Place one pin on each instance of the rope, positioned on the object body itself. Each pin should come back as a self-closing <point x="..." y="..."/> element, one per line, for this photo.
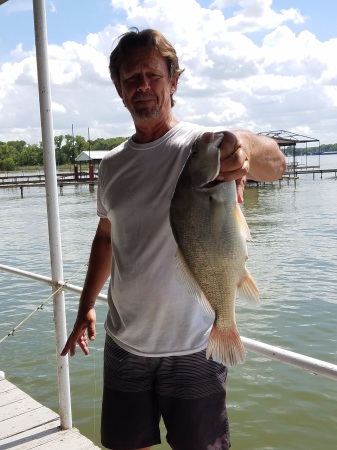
<point x="11" y="333"/>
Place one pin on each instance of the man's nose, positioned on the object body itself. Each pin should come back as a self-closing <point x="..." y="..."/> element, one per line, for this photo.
<point x="143" y="83"/>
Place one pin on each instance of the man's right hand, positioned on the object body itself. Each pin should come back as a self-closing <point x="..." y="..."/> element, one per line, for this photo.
<point x="84" y="329"/>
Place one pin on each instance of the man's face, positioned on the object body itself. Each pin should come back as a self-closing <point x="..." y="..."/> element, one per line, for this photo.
<point x="145" y="86"/>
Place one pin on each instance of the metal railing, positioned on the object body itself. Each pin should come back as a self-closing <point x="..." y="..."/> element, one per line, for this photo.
<point x="313" y="365"/>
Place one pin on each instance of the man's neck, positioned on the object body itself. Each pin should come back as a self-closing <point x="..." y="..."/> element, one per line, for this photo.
<point x="149" y="132"/>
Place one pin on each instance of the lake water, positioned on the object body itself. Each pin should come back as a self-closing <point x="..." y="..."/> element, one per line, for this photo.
<point x="293" y="258"/>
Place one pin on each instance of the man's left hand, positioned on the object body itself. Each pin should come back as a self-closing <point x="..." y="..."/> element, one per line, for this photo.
<point x="234" y="162"/>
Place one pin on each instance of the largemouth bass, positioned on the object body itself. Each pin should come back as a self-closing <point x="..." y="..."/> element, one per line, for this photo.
<point x="211" y="233"/>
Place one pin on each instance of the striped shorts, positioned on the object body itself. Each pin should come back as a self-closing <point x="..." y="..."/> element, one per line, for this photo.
<point x="188" y="392"/>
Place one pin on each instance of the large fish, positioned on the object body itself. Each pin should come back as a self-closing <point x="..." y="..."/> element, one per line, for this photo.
<point x="211" y="233"/>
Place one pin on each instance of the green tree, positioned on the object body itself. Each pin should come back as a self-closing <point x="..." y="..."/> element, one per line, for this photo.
<point x="30" y="155"/>
<point x="18" y="145"/>
<point x="106" y="144"/>
<point x="8" y="157"/>
<point x="7" y="164"/>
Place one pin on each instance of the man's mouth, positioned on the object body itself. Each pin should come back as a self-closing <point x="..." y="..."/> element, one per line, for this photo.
<point x="140" y="99"/>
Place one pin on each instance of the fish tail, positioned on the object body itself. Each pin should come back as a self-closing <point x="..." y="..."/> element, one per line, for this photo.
<point x="226" y="347"/>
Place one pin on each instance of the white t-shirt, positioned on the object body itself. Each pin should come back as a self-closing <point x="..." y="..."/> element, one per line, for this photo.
<point x="150" y="311"/>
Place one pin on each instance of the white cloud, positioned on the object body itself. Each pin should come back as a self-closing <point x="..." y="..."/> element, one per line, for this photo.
<point x="331" y="93"/>
<point x="52" y="7"/>
<point x="57" y="108"/>
<point x="282" y="80"/>
<point x="258" y="15"/>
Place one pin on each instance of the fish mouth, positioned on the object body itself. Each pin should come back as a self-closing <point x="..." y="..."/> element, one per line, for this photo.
<point x="210" y="184"/>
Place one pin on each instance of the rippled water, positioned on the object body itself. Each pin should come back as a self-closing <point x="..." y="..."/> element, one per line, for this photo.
<point x="293" y="258"/>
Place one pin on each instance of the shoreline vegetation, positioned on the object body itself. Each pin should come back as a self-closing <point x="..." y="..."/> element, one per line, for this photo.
<point x="18" y="155"/>
<point x="15" y="155"/>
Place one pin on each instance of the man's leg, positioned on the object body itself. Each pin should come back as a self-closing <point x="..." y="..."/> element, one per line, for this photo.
<point x="192" y="399"/>
<point x="130" y="415"/>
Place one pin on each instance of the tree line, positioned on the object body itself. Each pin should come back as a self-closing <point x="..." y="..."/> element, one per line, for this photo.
<point x="17" y="154"/>
<point x="289" y="151"/>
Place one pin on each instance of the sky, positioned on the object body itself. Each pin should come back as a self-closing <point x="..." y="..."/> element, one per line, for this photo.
<point x="259" y="65"/>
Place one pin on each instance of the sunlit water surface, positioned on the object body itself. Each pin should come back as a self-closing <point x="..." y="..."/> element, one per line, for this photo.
<point x="293" y="258"/>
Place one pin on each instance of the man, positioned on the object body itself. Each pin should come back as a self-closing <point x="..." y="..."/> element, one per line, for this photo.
<point x="157" y="333"/>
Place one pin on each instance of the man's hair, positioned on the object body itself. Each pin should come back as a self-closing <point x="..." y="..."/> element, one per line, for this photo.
<point x="149" y="38"/>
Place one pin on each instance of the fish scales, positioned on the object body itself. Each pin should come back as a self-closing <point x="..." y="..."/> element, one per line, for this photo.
<point x="211" y="234"/>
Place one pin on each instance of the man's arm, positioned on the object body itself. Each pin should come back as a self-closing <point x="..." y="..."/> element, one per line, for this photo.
<point x="266" y="161"/>
<point x="99" y="269"/>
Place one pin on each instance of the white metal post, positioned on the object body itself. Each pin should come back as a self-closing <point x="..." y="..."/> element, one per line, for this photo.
<point x="41" y="42"/>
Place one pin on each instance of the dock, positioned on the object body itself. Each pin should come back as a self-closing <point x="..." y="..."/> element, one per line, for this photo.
<point x="311" y="170"/>
<point x="39" y="180"/>
<point x="26" y="424"/>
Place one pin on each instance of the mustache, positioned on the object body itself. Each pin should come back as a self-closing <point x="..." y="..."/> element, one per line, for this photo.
<point x="142" y="97"/>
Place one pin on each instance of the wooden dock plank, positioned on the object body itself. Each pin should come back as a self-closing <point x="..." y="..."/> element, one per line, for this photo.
<point x="48" y="437"/>
<point x="18" y="416"/>
<point x="10" y="396"/>
<point x="26" y="424"/>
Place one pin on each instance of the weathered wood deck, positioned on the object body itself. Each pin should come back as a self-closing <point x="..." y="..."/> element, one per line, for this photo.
<point x="26" y="424"/>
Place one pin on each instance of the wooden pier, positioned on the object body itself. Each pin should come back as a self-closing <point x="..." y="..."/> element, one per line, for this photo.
<point x="26" y="424"/>
<point x="68" y="179"/>
<point x="38" y="180"/>
<point x="302" y="170"/>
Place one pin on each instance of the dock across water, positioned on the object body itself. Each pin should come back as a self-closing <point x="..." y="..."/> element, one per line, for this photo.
<point x="67" y="178"/>
<point x="39" y="180"/>
<point x="26" y="424"/>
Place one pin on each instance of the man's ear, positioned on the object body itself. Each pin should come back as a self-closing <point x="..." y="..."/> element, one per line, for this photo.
<point x="174" y="84"/>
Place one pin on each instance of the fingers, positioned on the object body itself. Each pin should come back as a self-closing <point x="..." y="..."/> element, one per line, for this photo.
<point x="83" y="343"/>
<point x="81" y="339"/>
<point x="70" y="346"/>
<point x="234" y="161"/>
<point x="65" y="350"/>
<point x="240" y="186"/>
<point x="92" y="332"/>
<point x="234" y="167"/>
<point x="84" y="328"/>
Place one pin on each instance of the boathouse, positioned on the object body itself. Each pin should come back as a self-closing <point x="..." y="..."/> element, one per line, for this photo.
<point x="92" y="157"/>
<point x="287" y="139"/>
<point x="95" y="156"/>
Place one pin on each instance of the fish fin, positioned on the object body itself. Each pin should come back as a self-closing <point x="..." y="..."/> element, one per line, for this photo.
<point x="243" y="225"/>
<point x="216" y="215"/>
<point x="226" y="347"/>
<point x="187" y="279"/>
<point x="248" y="290"/>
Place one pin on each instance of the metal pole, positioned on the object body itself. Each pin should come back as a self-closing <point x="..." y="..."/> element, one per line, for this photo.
<point x="312" y="365"/>
<point x="41" y="42"/>
<point x="103" y="298"/>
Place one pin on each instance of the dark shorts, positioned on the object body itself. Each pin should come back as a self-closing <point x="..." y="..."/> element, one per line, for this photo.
<point x="188" y="392"/>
